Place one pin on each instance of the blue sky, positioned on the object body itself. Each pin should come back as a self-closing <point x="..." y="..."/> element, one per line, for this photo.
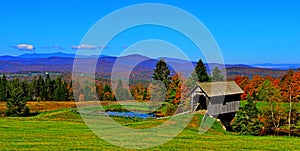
<point x="247" y="31"/>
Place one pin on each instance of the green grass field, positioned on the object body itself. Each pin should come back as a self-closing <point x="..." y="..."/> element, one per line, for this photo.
<point x="64" y="130"/>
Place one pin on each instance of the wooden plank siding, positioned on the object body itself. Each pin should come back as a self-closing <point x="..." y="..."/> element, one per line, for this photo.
<point x="215" y="109"/>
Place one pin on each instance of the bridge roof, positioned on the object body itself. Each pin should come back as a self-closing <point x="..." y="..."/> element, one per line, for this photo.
<point x="212" y="89"/>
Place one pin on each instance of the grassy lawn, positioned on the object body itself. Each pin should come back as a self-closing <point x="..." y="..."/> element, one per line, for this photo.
<point x="43" y="106"/>
<point x="261" y="105"/>
<point x="64" y="130"/>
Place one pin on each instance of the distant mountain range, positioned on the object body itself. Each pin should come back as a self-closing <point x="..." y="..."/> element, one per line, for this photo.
<point x="142" y="66"/>
<point x="277" y="66"/>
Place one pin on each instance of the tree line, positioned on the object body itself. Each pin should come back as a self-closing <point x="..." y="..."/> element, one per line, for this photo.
<point x="280" y="111"/>
<point x="17" y="92"/>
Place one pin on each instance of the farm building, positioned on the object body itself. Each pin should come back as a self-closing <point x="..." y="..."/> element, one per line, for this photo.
<point x="219" y="99"/>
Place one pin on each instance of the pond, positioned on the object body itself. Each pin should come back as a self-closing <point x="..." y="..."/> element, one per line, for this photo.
<point x="131" y="114"/>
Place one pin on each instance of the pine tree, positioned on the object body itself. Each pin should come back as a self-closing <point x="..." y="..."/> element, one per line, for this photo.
<point x="25" y="87"/>
<point x="58" y="92"/>
<point x="121" y="93"/>
<point x="162" y="73"/>
<point x="201" y="72"/>
<point x="16" y="104"/>
<point x="158" y="93"/>
<point x="217" y="75"/>
<point x="246" y="121"/>
<point x="3" y="89"/>
<point x="40" y="87"/>
<point x="49" y="88"/>
<point x="65" y="91"/>
<point x="34" y="90"/>
<point x="192" y="81"/>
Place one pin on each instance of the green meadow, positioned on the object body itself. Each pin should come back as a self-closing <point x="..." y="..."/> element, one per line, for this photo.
<point x="64" y="129"/>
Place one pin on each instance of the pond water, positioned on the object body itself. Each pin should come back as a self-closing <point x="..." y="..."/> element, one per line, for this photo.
<point x="131" y="114"/>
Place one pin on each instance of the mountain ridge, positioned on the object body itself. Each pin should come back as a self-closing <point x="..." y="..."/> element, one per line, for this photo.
<point x="139" y="65"/>
<point x="32" y="56"/>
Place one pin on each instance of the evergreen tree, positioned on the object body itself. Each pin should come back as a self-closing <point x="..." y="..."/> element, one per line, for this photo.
<point x="217" y="75"/>
<point x="162" y="73"/>
<point x="34" y="88"/>
<point x="158" y="94"/>
<point x="70" y="91"/>
<point x="246" y="121"/>
<point x="198" y="75"/>
<point x="49" y="88"/>
<point x="25" y="87"/>
<point x="65" y="91"/>
<point x="40" y="87"/>
<point x="16" y="104"/>
<point x="121" y="93"/>
<point x="58" y="92"/>
<point x="191" y="81"/>
<point x="201" y="72"/>
<point x="3" y="88"/>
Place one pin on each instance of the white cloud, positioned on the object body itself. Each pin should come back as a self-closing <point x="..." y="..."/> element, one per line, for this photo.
<point x="53" y="47"/>
<point x="84" y="46"/>
<point x="58" y="47"/>
<point x="27" y="47"/>
<point x="104" y="47"/>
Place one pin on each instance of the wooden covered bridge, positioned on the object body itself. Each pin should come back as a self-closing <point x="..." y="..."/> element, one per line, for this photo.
<point x="219" y="99"/>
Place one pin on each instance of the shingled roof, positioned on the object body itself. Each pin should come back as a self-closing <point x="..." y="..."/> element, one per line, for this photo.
<point x="223" y="88"/>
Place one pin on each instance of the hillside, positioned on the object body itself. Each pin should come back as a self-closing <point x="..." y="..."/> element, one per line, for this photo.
<point x="60" y="62"/>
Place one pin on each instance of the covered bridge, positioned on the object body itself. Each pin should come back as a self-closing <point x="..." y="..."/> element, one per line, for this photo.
<point x="216" y="97"/>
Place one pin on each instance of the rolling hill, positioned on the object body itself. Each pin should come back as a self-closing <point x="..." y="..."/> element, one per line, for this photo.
<point x="139" y="66"/>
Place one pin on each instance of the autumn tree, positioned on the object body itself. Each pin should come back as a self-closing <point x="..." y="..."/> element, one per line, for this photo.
<point x="254" y="85"/>
<point x="274" y="113"/>
<point x="140" y="92"/>
<point x="100" y="90"/>
<point x="177" y="93"/>
<point x="173" y="93"/>
<point x="108" y="94"/>
<point x="291" y="92"/>
<point x="242" y="81"/>
<point x="178" y="90"/>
